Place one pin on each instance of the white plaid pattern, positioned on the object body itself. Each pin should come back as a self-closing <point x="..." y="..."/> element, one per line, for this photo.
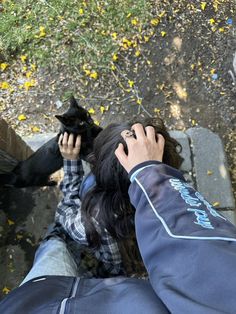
<point x="68" y="214"/>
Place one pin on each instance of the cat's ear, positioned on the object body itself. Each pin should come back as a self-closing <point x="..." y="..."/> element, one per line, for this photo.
<point x="73" y="102"/>
<point x="63" y="119"/>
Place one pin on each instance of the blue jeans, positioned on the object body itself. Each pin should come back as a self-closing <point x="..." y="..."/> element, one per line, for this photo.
<point x="52" y="258"/>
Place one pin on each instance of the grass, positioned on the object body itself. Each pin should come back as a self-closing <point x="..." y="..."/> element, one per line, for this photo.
<point x="83" y="34"/>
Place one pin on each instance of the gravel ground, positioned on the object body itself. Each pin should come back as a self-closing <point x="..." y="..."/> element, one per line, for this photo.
<point x="184" y="73"/>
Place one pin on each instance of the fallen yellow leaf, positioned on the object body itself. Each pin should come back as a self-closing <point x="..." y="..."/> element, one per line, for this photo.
<point x="154" y="22"/>
<point x="22" y="117"/>
<point x="10" y="222"/>
<point x="4" y="85"/>
<point x="114" y="35"/>
<point x="134" y="21"/>
<point x="102" y="109"/>
<point x="6" y="290"/>
<point x="23" y="58"/>
<point x="93" y="75"/>
<point x="115" y="57"/>
<point x="131" y="83"/>
<point x="203" y="5"/>
<point x="3" y="66"/>
<point x="91" y="111"/>
<point x="212" y="21"/>
<point x="35" y="129"/>
<point x="113" y="67"/>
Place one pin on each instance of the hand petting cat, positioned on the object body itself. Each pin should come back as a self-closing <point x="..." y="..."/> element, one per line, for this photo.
<point x="69" y="148"/>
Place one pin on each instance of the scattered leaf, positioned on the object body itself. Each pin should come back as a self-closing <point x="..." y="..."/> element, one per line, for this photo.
<point x="6" y="290"/>
<point x="23" y="58"/>
<point x="114" y="35"/>
<point x="139" y="101"/>
<point x="93" y="75"/>
<point x="203" y="5"/>
<point x="131" y="83"/>
<point x="10" y="222"/>
<point x="115" y="57"/>
<point x="22" y="117"/>
<point x="212" y="21"/>
<point x="35" y="129"/>
<point x="3" y="66"/>
<point x="4" y="85"/>
<point x="134" y="22"/>
<point x="154" y="22"/>
<point x="91" y="111"/>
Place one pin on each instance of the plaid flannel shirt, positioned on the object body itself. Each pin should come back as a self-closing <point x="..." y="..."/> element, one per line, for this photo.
<point x="68" y="214"/>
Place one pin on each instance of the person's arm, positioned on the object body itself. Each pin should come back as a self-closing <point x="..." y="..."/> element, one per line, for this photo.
<point x="189" y="249"/>
<point x="68" y="212"/>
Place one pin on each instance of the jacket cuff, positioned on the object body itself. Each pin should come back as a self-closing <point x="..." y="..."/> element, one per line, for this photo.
<point x="141" y="166"/>
<point x="163" y="168"/>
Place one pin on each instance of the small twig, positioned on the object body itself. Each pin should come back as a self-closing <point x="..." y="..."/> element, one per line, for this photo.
<point x="232" y="75"/>
<point x="49" y="5"/>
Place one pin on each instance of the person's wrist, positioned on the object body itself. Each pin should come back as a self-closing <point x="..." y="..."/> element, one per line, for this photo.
<point x="141" y="166"/>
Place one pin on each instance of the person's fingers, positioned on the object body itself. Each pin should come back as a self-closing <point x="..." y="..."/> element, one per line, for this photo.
<point x="71" y="140"/>
<point x="60" y="139"/>
<point x="151" y="134"/>
<point x="139" y="131"/>
<point x="128" y="136"/>
<point x="78" y="141"/>
<point x="160" y="141"/>
<point x="120" y="154"/>
<point x="65" y="139"/>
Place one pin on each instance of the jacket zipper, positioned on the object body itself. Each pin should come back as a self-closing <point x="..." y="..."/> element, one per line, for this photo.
<point x="63" y="302"/>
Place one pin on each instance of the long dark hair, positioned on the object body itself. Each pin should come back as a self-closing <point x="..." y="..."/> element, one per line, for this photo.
<point x="108" y="202"/>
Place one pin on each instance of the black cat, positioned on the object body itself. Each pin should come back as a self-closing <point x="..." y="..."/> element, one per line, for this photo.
<point x="35" y="170"/>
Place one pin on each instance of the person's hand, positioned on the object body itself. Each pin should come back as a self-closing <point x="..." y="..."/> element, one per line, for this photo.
<point x="145" y="147"/>
<point x="67" y="148"/>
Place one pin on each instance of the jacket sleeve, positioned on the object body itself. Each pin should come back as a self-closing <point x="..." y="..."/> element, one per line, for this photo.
<point x="68" y="212"/>
<point x="188" y="248"/>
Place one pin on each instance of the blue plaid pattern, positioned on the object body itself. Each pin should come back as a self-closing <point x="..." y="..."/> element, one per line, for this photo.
<point x="68" y="214"/>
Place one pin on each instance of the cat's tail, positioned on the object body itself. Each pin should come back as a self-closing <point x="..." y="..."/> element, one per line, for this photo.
<point x="7" y="179"/>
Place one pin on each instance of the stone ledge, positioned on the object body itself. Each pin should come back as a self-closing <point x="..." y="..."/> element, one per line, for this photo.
<point x="210" y="168"/>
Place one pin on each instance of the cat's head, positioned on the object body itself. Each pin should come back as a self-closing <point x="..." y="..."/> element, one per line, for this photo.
<point x="76" y="119"/>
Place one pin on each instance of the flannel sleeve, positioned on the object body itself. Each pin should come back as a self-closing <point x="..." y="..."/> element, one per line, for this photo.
<point x="68" y="212"/>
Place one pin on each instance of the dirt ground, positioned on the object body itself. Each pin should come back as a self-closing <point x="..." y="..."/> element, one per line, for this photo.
<point x="184" y="73"/>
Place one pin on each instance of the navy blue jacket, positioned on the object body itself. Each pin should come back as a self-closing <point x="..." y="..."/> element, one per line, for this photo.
<point x="188" y="248"/>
